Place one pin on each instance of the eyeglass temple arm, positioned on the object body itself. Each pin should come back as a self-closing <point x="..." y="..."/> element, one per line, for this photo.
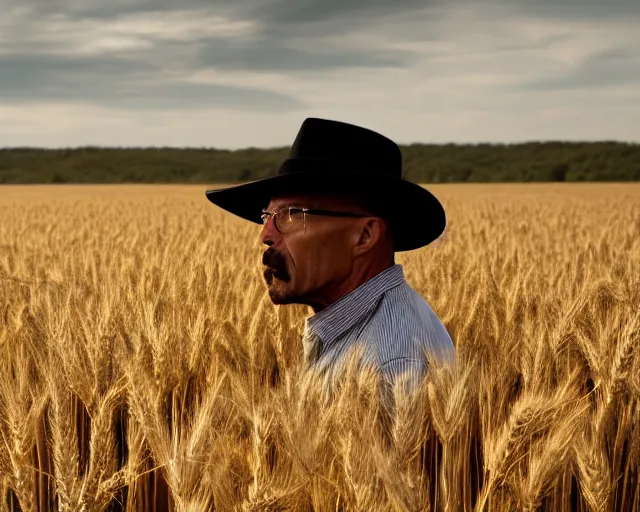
<point x="332" y="213"/>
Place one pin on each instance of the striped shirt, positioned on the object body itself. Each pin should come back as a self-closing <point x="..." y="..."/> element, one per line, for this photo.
<point x="385" y="318"/>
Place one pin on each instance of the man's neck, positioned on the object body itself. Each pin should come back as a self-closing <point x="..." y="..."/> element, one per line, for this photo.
<point x="360" y="276"/>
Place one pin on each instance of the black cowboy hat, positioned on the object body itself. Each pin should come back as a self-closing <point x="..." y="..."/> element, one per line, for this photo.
<point x="331" y="156"/>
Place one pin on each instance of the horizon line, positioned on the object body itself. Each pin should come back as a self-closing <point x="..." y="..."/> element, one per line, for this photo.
<point x="281" y="147"/>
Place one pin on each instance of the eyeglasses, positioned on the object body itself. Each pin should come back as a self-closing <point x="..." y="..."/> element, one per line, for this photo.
<point x="287" y="220"/>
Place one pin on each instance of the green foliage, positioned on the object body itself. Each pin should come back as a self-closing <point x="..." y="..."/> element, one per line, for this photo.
<point x="535" y="161"/>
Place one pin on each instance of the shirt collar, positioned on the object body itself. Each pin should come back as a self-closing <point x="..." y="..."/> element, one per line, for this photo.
<point x="330" y="323"/>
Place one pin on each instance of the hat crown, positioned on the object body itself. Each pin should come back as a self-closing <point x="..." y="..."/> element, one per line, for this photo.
<point x="344" y="146"/>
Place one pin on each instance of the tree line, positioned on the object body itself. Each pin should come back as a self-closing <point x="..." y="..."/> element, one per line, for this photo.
<point x="423" y="163"/>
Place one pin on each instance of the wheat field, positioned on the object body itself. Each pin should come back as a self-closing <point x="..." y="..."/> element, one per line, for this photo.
<point x="142" y="366"/>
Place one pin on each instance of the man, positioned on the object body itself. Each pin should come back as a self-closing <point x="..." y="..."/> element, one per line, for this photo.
<point x="333" y="217"/>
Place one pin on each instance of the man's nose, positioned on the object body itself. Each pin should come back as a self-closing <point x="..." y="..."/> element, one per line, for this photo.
<point x="269" y="233"/>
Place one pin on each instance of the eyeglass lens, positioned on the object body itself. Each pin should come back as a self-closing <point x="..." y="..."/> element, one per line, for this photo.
<point x="288" y="219"/>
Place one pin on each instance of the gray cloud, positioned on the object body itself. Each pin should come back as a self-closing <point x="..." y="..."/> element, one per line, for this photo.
<point x="615" y="67"/>
<point x="102" y="10"/>
<point x="269" y="54"/>
<point x="281" y="41"/>
<point x="284" y="12"/>
<point x="273" y="13"/>
<point x="577" y="10"/>
<point x="456" y="58"/>
<point x="121" y="83"/>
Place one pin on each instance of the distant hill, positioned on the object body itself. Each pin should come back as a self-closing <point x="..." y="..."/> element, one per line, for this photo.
<point x="424" y="163"/>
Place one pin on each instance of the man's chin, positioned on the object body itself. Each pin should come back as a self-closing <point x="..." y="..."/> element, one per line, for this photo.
<point x="278" y="292"/>
<point x="279" y="299"/>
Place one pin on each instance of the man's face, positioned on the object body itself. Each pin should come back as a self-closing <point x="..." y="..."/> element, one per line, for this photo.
<point x="310" y="261"/>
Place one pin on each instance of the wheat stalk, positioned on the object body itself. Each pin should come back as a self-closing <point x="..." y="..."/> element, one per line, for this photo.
<point x="146" y="302"/>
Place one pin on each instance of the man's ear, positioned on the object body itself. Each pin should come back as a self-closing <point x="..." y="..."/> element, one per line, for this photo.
<point x="368" y="235"/>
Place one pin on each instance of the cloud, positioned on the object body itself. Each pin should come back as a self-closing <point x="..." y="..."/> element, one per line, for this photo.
<point x="579" y="10"/>
<point x="275" y="11"/>
<point x="136" y="61"/>
<point x="614" y="67"/>
<point x="63" y="33"/>
<point x="430" y="70"/>
<point x="90" y="80"/>
<point x="272" y="55"/>
<point x="121" y="53"/>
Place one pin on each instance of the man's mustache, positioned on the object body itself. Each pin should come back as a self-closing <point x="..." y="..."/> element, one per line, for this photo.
<point x="276" y="264"/>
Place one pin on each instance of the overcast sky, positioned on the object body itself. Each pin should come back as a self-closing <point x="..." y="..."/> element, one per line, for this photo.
<point x="237" y="73"/>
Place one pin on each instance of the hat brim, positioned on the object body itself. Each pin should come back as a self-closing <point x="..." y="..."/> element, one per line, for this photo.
<point x="417" y="217"/>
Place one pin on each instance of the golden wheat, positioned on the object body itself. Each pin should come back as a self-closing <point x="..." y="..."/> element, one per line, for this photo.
<point x="144" y="368"/>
